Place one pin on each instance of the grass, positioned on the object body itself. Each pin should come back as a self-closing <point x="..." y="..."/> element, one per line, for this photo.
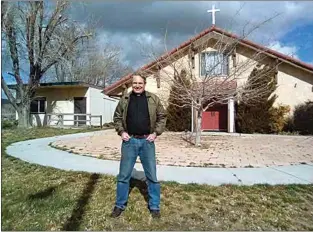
<point x="41" y="198"/>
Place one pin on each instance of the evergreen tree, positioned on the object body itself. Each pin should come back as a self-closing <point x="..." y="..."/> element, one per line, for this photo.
<point x="255" y="115"/>
<point x="178" y="117"/>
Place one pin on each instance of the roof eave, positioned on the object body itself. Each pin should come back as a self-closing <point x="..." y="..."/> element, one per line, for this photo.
<point x="243" y="42"/>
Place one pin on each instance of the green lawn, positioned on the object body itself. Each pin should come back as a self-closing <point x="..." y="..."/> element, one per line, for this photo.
<point x="39" y="198"/>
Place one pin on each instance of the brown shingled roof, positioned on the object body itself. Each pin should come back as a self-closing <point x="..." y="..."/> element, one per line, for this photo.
<point x="125" y="79"/>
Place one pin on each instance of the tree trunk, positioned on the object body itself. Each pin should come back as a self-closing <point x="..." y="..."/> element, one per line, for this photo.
<point x="198" y="131"/>
<point x="23" y="116"/>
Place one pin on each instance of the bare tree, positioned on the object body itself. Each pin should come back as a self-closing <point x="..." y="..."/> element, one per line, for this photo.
<point x="43" y="39"/>
<point x="222" y="76"/>
<point x="93" y="63"/>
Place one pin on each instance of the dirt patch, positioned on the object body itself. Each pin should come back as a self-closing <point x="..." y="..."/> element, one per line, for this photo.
<point x="216" y="151"/>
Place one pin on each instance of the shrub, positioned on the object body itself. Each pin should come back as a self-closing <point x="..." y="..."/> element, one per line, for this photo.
<point x="289" y="126"/>
<point x="9" y="124"/>
<point x="303" y="118"/>
<point x="278" y="118"/>
<point x="252" y="119"/>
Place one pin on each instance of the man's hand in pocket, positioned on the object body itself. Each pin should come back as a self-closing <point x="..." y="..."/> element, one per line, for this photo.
<point x="125" y="136"/>
<point x="151" y="137"/>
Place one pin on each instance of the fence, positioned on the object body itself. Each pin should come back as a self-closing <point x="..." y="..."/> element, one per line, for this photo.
<point x="77" y="118"/>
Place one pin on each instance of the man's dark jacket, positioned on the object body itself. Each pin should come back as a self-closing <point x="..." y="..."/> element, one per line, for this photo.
<point x="156" y="112"/>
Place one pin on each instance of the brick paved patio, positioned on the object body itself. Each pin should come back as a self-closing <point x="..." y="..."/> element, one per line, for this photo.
<point x="217" y="150"/>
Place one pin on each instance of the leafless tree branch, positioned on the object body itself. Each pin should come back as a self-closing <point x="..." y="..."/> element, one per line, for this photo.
<point x="221" y="80"/>
<point x="41" y="45"/>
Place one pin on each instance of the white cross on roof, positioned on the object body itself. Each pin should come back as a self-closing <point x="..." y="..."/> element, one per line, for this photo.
<point x="213" y="11"/>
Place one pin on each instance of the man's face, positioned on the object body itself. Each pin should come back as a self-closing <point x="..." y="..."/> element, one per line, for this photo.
<point x="138" y="84"/>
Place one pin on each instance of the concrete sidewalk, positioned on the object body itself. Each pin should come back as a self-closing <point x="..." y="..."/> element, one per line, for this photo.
<point x="39" y="152"/>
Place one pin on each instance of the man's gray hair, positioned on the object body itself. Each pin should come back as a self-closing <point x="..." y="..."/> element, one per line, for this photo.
<point x="144" y="78"/>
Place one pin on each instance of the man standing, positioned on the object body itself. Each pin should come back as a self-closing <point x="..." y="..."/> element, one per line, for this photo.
<point x="139" y="118"/>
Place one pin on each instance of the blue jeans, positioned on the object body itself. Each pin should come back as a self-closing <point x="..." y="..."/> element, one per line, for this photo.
<point x="146" y="151"/>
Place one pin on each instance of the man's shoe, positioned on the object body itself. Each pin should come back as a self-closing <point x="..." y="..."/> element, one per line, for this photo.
<point x="116" y="212"/>
<point x="155" y="213"/>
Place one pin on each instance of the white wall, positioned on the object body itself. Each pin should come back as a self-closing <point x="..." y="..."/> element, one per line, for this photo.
<point x="59" y="100"/>
<point x="101" y="104"/>
<point x="293" y="90"/>
<point x="39" y="119"/>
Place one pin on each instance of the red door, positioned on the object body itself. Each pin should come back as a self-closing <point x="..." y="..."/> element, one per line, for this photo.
<point x="215" y="118"/>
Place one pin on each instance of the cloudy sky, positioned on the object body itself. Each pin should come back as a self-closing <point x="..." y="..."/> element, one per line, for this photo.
<point x="140" y="27"/>
<point x="137" y="26"/>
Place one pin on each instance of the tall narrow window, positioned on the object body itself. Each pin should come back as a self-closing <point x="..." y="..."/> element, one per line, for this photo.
<point x="193" y="62"/>
<point x="214" y="64"/>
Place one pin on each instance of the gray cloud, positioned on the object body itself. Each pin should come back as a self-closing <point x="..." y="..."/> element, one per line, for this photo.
<point x="137" y="25"/>
<point x="125" y="23"/>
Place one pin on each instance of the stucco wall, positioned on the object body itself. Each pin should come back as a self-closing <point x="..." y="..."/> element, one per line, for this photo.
<point x="59" y="100"/>
<point x="294" y="89"/>
<point x="294" y="84"/>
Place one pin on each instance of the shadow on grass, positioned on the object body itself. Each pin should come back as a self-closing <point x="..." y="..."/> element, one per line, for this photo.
<point x="138" y="181"/>
<point x="74" y="221"/>
<point x="48" y="192"/>
<point x="43" y="194"/>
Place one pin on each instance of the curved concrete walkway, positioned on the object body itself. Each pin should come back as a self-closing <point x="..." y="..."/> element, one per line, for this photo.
<point x="39" y="152"/>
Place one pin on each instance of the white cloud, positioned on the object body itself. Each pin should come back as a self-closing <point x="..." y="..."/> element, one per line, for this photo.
<point x="287" y="50"/>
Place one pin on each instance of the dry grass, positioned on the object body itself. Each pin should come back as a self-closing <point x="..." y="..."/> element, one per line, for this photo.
<point x="40" y="198"/>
